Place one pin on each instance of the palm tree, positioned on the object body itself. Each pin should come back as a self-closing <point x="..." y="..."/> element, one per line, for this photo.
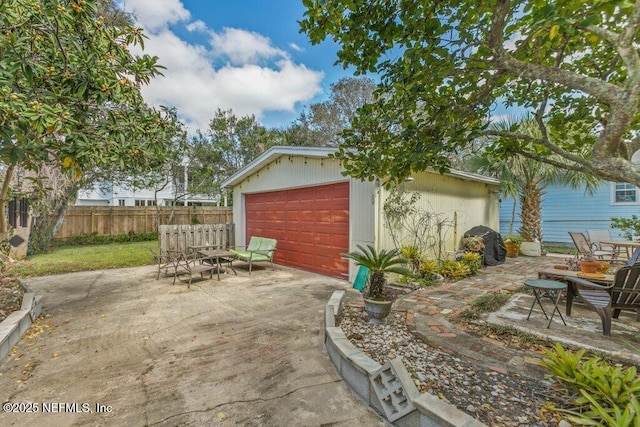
<point x="379" y="264"/>
<point x="527" y="179"/>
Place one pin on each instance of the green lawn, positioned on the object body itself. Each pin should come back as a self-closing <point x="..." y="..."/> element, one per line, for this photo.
<point x="82" y="258"/>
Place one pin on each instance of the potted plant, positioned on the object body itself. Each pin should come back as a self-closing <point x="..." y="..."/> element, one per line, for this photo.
<point x="512" y="242"/>
<point x="377" y="301"/>
<point x="473" y="243"/>
<point x="589" y="265"/>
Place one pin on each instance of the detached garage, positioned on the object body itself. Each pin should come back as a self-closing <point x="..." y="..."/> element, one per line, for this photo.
<point x="298" y="196"/>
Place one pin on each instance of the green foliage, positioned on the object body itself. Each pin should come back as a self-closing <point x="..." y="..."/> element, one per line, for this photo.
<point x="323" y="123"/>
<point x="606" y="394"/>
<point x="473" y="260"/>
<point x="428" y="266"/>
<point x="410" y="225"/>
<point x="95" y="239"/>
<point x="473" y="243"/>
<point x="68" y="259"/>
<point x="412" y="254"/>
<point x="514" y="238"/>
<point x="229" y="144"/>
<point x="629" y="226"/>
<point x="379" y="263"/>
<point x="70" y="97"/>
<point x="572" y="68"/>
<point x="454" y="269"/>
<point x="486" y="303"/>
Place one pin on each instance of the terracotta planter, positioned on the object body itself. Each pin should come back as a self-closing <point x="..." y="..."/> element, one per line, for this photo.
<point x="513" y="249"/>
<point x="377" y="310"/>
<point x="589" y="266"/>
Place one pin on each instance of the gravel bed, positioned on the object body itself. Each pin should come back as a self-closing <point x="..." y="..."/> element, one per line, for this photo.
<point x="492" y="397"/>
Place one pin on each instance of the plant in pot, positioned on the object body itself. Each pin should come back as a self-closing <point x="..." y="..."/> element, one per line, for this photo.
<point x="512" y="242"/>
<point x="377" y="299"/>
<point x="473" y="243"/>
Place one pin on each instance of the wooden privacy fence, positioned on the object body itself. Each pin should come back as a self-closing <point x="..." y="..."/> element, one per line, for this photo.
<point x="111" y="220"/>
<point x="181" y="237"/>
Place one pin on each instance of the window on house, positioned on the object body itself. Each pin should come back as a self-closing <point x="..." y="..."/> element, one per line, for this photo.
<point x="18" y="212"/>
<point x="139" y="202"/>
<point x="121" y="202"/>
<point x="151" y="202"/>
<point x="625" y="193"/>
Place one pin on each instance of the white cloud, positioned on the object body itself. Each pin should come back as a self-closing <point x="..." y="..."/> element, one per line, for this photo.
<point x="296" y="47"/>
<point x="242" y="46"/>
<point x="156" y="14"/>
<point x="240" y="70"/>
<point x="197" y="26"/>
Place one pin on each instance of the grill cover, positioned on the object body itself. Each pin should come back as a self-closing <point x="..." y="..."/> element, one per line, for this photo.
<point x="494" y="250"/>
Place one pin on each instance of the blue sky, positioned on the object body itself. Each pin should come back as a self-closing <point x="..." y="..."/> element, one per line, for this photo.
<point x="247" y="55"/>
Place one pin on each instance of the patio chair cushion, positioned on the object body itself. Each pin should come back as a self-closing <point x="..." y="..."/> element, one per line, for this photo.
<point x="259" y="249"/>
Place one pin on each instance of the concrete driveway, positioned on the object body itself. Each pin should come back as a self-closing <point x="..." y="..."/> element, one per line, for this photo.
<point x="246" y="350"/>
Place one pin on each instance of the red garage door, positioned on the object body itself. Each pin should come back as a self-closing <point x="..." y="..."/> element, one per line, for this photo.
<point x="311" y="225"/>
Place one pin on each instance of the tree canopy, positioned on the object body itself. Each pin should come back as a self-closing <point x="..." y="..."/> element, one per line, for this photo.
<point x="323" y="123"/>
<point x="449" y="67"/>
<point x="70" y="91"/>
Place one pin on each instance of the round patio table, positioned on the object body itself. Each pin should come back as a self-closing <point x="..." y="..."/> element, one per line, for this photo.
<point x="549" y="288"/>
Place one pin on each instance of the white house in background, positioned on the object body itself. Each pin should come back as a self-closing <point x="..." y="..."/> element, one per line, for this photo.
<point x="300" y="197"/>
<point x="114" y="195"/>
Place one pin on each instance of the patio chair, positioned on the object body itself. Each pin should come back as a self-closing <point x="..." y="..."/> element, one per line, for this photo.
<point x="259" y="249"/>
<point x="164" y="261"/>
<point x="601" y="235"/>
<point x="623" y="294"/>
<point x="190" y="264"/>
<point x="585" y="248"/>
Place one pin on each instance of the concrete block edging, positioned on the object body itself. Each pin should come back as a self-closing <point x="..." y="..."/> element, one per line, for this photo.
<point x="16" y="324"/>
<point x="387" y="389"/>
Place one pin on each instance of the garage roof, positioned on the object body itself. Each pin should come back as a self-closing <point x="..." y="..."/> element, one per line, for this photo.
<point x="276" y="152"/>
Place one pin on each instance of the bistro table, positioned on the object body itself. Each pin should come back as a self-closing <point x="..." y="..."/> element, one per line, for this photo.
<point x="217" y="257"/>
<point x="618" y="245"/>
<point x="561" y="275"/>
<point x="550" y="288"/>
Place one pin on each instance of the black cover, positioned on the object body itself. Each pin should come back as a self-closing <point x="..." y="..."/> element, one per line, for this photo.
<point x="494" y="252"/>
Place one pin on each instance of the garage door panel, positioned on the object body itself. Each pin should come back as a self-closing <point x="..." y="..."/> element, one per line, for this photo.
<point x="311" y="225"/>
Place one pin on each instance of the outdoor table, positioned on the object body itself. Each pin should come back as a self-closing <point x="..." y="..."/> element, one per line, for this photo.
<point x="629" y="247"/>
<point x="542" y="287"/>
<point x="217" y="257"/>
<point x="561" y="275"/>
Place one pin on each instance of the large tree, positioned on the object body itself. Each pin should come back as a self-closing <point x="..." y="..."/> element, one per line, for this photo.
<point x="322" y="123"/>
<point x="447" y="66"/>
<point x="70" y="92"/>
<point x="229" y="144"/>
<point x="525" y="179"/>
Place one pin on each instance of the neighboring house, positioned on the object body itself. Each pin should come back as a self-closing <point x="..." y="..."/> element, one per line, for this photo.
<point x="565" y="209"/>
<point x="299" y="196"/>
<point x="114" y="195"/>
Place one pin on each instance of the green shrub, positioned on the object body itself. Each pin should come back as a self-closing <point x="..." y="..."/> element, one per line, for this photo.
<point x="95" y="239"/>
<point x="629" y="226"/>
<point x="454" y="269"/>
<point x="473" y="260"/>
<point x="606" y="394"/>
<point x="428" y="267"/>
<point x="412" y="254"/>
